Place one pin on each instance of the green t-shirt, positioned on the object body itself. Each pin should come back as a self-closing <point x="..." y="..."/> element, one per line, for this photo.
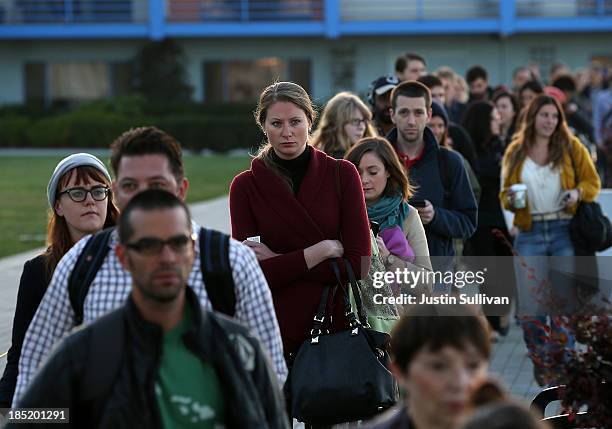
<point x="187" y="389"/>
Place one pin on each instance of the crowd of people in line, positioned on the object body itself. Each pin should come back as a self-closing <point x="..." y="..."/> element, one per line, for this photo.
<point x="184" y="326"/>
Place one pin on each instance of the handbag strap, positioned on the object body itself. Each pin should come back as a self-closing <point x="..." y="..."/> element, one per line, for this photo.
<point x="348" y="311"/>
<point x="319" y="318"/>
<point x="339" y="195"/>
<point x="356" y="293"/>
<point x="346" y="301"/>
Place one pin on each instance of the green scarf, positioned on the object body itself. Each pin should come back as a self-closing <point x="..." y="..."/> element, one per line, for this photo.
<point x="388" y="212"/>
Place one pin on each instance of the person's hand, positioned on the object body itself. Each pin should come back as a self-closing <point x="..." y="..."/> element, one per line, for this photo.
<point x="262" y="252"/>
<point x="426" y="213"/>
<point x="332" y="248"/>
<point x="510" y="197"/>
<point x="384" y="252"/>
<point x="321" y="251"/>
<point x="571" y="197"/>
<point x="513" y="231"/>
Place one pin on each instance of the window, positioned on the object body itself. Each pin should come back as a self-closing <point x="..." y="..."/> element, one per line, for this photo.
<point x="74" y="82"/>
<point x="78" y="81"/>
<point x="243" y="80"/>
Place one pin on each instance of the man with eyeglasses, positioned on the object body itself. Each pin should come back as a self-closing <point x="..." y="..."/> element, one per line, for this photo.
<point x="161" y="360"/>
<point x="145" y="158"/>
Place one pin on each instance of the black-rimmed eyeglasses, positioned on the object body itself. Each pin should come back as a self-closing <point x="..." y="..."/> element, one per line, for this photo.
<point x="78" y="195"/>
<point x="150" y="246"/>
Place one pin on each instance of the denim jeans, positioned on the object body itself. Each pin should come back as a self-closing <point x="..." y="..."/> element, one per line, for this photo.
<point x="546" y="288"/>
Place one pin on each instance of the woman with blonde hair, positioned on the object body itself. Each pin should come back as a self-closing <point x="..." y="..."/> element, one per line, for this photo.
<point x="557" y="172"/>
<point x="345" y="120"/>
<point x="299" y="210"/>
<point x="80" y="203"/>
<point x="291" y="201"/>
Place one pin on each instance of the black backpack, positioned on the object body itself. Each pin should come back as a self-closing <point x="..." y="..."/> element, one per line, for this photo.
<point x="214" y="261"/>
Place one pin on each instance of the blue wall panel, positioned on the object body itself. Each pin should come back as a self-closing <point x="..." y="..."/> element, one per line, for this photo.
<point x="70" y="19"/>
<point x="73" y="31"/>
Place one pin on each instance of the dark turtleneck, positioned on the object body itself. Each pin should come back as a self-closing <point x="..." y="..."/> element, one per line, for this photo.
<point x="295" y="169"/>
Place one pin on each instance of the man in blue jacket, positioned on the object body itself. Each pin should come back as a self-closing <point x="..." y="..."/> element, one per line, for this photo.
<point x="444" y="198"/>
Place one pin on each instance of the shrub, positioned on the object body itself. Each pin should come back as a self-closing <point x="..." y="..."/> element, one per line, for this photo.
<point x="49" y="132"/>
<point x="129" y="105"/>
<point x="226" y="133"/>
<point x="217" y="133"/>
<point x="584" y="370"/>
<point x="189" y="130"/>
<point x="96" y="124"/>
<point x="13" y="131"/>
<point x="587" y="370"/>
<point x="78" y="129"/>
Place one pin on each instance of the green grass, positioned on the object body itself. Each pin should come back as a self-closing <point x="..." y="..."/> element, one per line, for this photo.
<point x="23" y="198"/>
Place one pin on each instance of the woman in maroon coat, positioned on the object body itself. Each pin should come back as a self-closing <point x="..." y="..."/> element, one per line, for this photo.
<point x="304" y="208"/>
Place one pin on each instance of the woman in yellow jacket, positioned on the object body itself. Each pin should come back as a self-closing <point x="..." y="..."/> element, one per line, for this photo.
<point x="556" y="172"/>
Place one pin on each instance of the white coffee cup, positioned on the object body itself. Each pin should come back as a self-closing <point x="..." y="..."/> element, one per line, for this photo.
<point x="519" y="195"/>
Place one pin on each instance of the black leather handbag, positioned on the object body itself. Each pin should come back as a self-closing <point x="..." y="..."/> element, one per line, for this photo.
<point x="590" y="229"/>
<point x="341" y="376"/>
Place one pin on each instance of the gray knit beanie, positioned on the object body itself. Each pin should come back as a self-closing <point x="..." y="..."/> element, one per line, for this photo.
<point x="67" y="164"/>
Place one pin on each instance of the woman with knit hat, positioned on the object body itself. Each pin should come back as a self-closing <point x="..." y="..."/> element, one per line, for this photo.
<point x="80" y="203"/>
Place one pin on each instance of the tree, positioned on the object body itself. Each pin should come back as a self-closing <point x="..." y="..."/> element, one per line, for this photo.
<point x="160" y="73"/>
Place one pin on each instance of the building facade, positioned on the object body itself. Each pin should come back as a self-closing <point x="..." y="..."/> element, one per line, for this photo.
<point x="81" y="49"/>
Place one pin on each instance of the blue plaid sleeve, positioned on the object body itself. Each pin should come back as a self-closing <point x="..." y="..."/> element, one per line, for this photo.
<point x="254" y="305"/>
<point x="52" y="321"/>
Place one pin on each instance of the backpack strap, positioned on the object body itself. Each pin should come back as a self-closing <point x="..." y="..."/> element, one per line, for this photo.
<point x="216" y="270"/>
<point x="444" y="177"/>
<point x="85" y="269"/>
